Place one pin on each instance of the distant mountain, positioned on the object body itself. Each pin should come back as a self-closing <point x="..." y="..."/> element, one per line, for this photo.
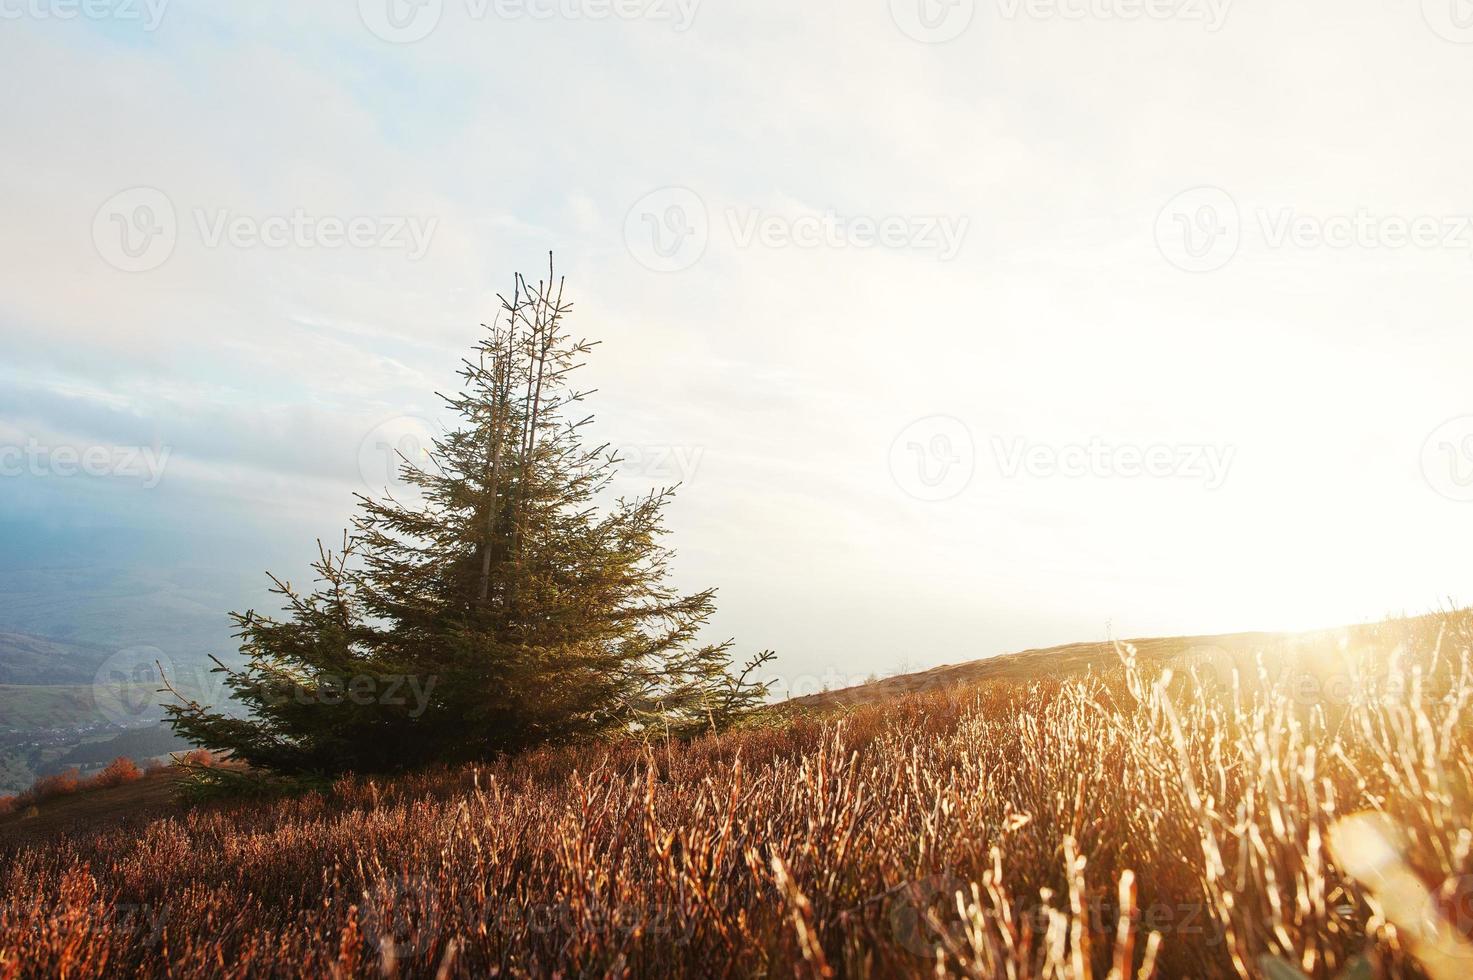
<point x="137" y="744"/>
<point x="83" y="604"/>
<point x="1213" y="656"/>
<point x="180" y="611"/>
<point x="116" y="589"/>
<point x="31" y="660"/>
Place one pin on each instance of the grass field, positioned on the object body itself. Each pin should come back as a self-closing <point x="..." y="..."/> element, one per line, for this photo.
<point x="38" y="706"/>
<point x="1306" y="812"/>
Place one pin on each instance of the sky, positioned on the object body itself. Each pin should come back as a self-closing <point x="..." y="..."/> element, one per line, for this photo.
<point x="966" y="326"/>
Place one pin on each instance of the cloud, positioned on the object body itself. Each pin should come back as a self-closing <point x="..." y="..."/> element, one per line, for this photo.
<point x="791" y="368"/>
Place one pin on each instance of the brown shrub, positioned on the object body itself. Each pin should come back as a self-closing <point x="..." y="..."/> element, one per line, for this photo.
<point x="197" y="757"/>
<point x="121" y="770"/>
<point x="50" y="787"/>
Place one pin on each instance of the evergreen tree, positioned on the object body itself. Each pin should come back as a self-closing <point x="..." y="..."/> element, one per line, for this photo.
<point x="504" y="606"/>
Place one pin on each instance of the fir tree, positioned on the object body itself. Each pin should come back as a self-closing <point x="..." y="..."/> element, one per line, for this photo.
<point x="504" y="606"/>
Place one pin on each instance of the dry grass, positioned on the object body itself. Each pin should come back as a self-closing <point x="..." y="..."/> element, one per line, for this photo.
<point x="121" y="770"/>
<point x="992" y="831"/>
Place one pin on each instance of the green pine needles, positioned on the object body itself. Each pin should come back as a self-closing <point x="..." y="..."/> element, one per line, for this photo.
<point x="504" y="606"/>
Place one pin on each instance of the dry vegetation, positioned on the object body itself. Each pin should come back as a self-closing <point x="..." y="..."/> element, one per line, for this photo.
<point x="121" y="770"/>
<point x="998" y="830"/>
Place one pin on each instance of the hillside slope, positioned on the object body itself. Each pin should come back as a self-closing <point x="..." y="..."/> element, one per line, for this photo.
<point x="34" y="660"/>
<point x="1181" y="653"/>
<point x="94" y="810"/>
<point x="1116" y="827"/>
<point x="1073" y="659"/>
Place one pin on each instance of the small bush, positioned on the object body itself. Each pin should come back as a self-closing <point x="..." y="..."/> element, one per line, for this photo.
<point x="121" y="770"/>
<point x="50" y="787"/>
<point x="197" y="757"/>
<point x="204" y="779"/>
